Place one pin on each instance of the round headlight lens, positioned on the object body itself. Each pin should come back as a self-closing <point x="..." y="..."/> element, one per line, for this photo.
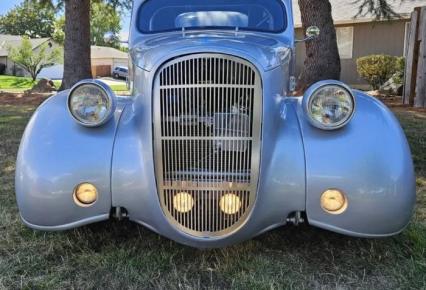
<point x="90" y="104"/>
<point x="330" y="106"/>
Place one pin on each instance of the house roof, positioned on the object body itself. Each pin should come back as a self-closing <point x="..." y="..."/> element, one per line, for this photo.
<point x="107" y="52"/>
<point x="97" y="52"/>
<point x="7" y="41"/>
<point x="344" y="11"/>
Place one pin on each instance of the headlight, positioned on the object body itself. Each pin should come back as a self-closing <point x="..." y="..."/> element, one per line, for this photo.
<point x="91" y="103"/>
<point x="329" y="105"/>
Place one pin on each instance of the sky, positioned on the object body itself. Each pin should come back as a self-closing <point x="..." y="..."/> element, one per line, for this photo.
<point x="6" y="5"/>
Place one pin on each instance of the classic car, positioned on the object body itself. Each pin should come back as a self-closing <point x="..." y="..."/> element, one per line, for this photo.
<point x="212" y="148"/>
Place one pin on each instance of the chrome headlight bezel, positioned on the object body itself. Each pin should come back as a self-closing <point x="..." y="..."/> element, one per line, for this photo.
<point x="110" y="108"/>
<point x="311" y="93"/>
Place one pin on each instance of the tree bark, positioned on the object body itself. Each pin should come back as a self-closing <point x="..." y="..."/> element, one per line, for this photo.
<point x="77" y="64"/>
<point x="322" y="55"/>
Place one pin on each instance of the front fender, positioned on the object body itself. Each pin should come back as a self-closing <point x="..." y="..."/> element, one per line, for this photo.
<point x="370" y="161"/>
<point x="55" y="155"/>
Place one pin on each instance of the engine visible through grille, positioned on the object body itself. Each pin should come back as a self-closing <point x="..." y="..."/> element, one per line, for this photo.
<point x="207" y="123"/>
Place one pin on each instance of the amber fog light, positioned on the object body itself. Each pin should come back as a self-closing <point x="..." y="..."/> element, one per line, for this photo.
<point x="334" y="201"/>
<point x="183" y="202"/>
<point x="230" y="203"/>
<point x="85" y="194"/>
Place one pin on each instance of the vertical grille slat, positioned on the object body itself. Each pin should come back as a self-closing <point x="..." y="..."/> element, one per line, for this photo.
<point x="207" y="120"/>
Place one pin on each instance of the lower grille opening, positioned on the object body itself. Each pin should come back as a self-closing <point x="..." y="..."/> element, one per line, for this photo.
<point x="206" y="215"/>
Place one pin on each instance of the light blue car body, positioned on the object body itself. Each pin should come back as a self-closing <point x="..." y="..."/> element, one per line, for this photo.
<point x="369" y="159"/>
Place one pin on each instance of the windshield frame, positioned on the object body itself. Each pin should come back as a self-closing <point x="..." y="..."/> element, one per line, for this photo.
<point x="220" y="28"/>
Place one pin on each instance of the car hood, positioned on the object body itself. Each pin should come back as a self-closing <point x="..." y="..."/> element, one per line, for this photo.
<point x="264" y="51"/>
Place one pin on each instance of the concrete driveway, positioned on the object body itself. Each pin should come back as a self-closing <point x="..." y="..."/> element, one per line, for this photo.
<point x="112" y="82"/>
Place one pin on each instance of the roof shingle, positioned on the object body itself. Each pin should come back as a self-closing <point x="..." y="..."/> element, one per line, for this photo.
<point x="107" y="52"/>
<point x="13" y="41"/>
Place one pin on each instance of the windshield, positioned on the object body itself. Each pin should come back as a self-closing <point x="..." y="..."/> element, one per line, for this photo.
<point x="168" y="15"/>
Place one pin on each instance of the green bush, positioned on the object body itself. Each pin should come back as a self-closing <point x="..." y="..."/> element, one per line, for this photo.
<point x="400" y="70"/>
<point x="377" y="69"/>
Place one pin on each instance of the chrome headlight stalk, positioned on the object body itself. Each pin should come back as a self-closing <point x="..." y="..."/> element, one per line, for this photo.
<point x="329" y="105"/>
<point x="91" y="103"/>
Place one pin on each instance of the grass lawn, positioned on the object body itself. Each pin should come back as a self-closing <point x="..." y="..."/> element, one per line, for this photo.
<point x="15" y="83"/>
<point x="124" y="255"/>
<point x="119" y="88"/>
<point x="21" y="84"/>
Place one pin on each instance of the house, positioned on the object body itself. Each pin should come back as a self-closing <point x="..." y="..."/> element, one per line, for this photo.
<point x="13" y="41"/>
<point x="103" y="59"/>
<point x="108" y="56"/>
<point x="361" y="36"/>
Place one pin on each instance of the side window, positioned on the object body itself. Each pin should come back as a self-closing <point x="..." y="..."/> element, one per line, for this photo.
<point x="345" y="41"/>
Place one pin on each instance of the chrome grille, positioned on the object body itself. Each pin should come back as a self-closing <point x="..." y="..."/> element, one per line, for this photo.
<point x="207" y="116"/>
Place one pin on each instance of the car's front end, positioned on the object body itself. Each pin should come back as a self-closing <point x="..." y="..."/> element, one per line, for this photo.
<point x="211" y="149"/>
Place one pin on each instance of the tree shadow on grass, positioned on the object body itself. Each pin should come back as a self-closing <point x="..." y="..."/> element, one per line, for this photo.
<point x="22" y="83"/>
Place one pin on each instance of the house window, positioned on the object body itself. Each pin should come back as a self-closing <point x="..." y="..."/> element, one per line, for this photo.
<point x="345" y="41"/>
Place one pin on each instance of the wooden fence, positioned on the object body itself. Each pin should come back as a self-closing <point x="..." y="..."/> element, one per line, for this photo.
<point x="101" y="71"/>
<point x="415" y="69"/>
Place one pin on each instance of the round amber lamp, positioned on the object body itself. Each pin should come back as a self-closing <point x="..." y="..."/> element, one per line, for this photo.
<point x="230" y="204"/>
<point x="85" y="194"/>
<point x="334" y="201"/>
<point x="183" y="202"/>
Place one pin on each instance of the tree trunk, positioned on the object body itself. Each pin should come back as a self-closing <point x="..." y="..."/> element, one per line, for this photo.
<point x="77" y="64"/>
<point x="322" y="55"/>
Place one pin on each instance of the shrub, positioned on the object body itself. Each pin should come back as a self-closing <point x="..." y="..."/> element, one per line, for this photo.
<point x="400" y="70"/>
<point x="2" y="68"/>
<point x="377" y="69"/>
